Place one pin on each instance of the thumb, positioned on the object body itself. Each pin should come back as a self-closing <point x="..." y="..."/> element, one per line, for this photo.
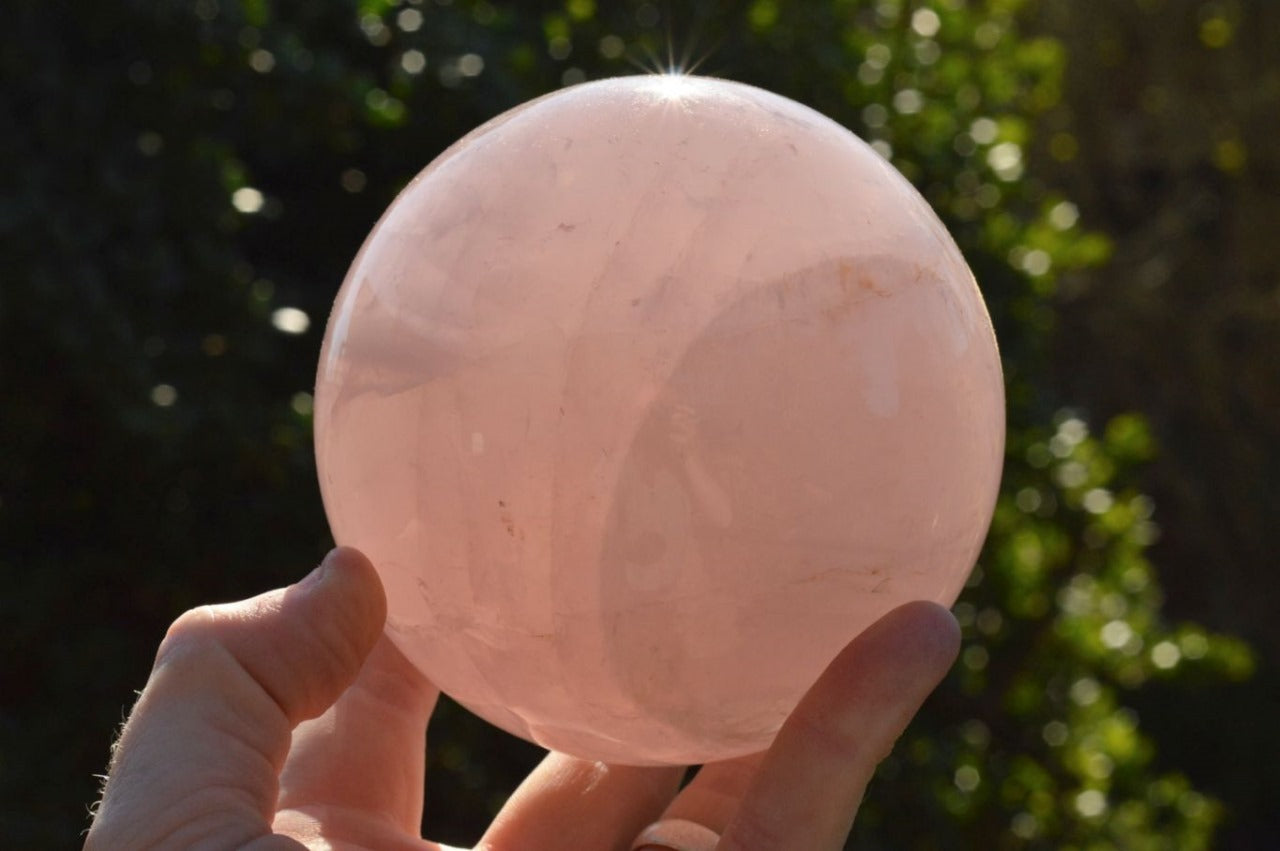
<point x="198" y="762"/>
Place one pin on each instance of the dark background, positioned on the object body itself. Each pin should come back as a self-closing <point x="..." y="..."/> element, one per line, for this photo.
<point x="175" y="173"/>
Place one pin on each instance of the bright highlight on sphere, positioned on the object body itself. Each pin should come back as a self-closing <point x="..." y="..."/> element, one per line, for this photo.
<point x="645" y="398"/>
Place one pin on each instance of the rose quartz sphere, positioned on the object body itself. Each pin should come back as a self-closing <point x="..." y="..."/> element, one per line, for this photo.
<point x="645" y="398"/>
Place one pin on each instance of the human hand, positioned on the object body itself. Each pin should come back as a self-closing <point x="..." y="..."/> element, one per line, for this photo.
<point x="286" y="722"/>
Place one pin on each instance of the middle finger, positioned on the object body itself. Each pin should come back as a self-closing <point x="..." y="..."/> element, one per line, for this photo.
<point x="367" y="753"/>
<point x="712" y="797"/>
<point x="573" y="803"/>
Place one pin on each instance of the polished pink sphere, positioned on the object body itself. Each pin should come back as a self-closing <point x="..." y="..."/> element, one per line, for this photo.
<point x="645" y="398"/>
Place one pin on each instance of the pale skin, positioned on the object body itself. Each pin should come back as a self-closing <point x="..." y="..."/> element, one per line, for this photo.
<point x="287" y="722"/>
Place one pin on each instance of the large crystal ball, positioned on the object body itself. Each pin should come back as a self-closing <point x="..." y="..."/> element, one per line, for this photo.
<point x="645" y="398"/>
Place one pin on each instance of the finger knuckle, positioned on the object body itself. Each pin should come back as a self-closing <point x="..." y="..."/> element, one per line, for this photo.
<point x="752" y="832"/>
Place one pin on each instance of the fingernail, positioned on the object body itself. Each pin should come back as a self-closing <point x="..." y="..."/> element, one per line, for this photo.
<point x="322" y="571"/>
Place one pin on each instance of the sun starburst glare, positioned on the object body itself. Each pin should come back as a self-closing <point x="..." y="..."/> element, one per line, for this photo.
<point x="685" y="65"/>
<point x="672" y="78"/>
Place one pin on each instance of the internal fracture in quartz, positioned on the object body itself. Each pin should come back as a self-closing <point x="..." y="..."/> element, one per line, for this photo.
<point x="645" y="398"/>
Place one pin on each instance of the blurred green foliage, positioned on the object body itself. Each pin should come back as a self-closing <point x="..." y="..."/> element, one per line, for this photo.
<point x="185" y="185"/>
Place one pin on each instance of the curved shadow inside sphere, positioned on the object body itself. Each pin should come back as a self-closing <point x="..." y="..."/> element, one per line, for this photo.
<point x="803" y="470"/>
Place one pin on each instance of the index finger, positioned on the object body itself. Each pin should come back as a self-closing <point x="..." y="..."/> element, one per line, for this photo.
<point x="805" y="792"/>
